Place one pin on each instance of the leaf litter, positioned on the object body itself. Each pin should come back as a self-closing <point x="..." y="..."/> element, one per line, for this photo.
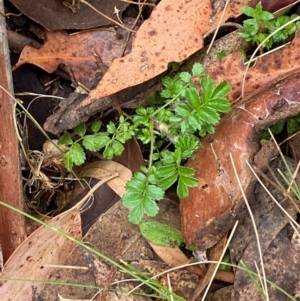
<point x="273" y="96"/>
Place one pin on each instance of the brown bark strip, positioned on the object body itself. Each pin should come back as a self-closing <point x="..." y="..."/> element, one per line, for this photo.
<point x="12" y="226"/>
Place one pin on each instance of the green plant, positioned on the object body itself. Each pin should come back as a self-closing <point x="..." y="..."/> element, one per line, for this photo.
<point x="292" y="126"/>
<point x="190" y="106"/>
<point x="221" y="54"/>
<point x="112" y="141"/>
<point x="262" y="23"/>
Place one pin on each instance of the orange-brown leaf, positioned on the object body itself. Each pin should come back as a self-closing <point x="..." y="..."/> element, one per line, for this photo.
<point x="77" y="51"/>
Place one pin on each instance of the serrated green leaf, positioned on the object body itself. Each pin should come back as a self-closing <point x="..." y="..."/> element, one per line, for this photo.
<point x="121" y="119"/>
<point x="189" y="181"/>
<point x="135" y="214"/>
<point x="221" y="90"/>
<point x="182" y="190"/>
<point x="182" y="110"/>
<point x="101" y="140"/>
<point x="131" y="199"/>
<point x="185" y="77"/>
<point x="250" y="29"/>
<point x="208" y="115"/>
<point x="153" y="178"/>
<point x="150" y="207"/>
<point x="77" y="154"/>
<point x="140" y="119"/>
<point x="65" y="139"/>
<point x="265" y="16"/>
<point x="80" y="130"/>
<point x="206" y="128"/>
<point x="168" y="181"/>
<point x="195" y="122"/>
<point x="165" y="94"/>
<point x="89" y="143"/>
<point x="125" y="136"/>
<point x="184" y="126"/>
<point x="186" y="171"/>
<point x="144" y="136"/>
<point x="140" y="197"/>
<point x="208" y="88"/>
<point x="248" y="11"/>
<point x="95" y="127"/>
<point x="220" y="105"/>
<point x="161" y="234"/>
<point x="167" y="81"/>
<point x="68" y="161"/>
<point x="188" y="144"/>
<point x="164" y="171"/>
<point x="141" y="111"/>
<point x="177" y="156"/>
<point x="175" y="66"/>
<point x="138" y="181"/>
<point x="154" y="192"/>
<point x="197" y="69"/>
<point x="111" y="128"/>
<point x="193" y="98"/>
<point x="167" y="157"/>
<point x="117" y="147"/>
<point x="108" y="153"/>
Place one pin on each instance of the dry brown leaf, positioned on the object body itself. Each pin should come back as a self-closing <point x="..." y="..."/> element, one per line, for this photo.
<point x="77" y="51"/>
<point x="101" y="169"/>
<point x="271" y="5"/>
<point x="62" y="16"/>
<point x="103" y="196"/>
<point x="212" y="207"/>
<point x="44" y="247"/>
<point x="174" y="257"/>
<point x="174" y="31"/>
<point x="132" y="156"/>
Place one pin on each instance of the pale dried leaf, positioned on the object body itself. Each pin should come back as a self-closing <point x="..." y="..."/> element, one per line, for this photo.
<point x="43" y="247"/>
<point x="102" y="169"/>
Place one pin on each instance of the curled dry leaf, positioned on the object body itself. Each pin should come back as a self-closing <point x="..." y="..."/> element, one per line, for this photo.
<point x="30" y="260"/>
<point x="212" y="207"/>
<point x="101" y="169"/>
<point x="104" y="196"/>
